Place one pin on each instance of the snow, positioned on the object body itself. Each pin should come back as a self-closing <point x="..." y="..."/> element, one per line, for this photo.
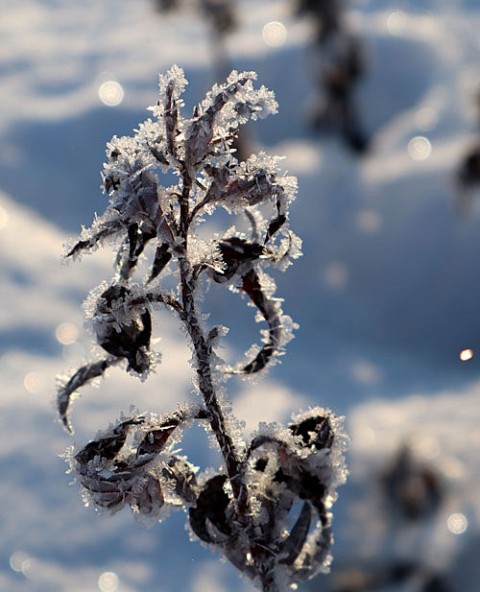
<point x="386" y="294"/>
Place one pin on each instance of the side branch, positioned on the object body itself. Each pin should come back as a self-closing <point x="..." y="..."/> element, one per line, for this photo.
<point x="152" y="297"/>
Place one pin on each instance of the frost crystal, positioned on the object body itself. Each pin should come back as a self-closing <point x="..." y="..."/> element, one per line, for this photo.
<point x="245" y="509"/>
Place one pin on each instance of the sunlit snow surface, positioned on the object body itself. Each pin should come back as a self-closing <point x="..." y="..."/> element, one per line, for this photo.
<point x="386" y="295"/>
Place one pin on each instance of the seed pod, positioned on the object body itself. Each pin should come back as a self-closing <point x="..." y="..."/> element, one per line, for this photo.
<point x="121" y="331"/>
<point x="208" y="518"/>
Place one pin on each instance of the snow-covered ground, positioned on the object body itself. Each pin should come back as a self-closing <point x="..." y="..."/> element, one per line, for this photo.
<point x="386" y="294"/>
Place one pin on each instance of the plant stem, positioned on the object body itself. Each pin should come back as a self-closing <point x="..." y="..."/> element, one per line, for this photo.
<point x="207" y="387"/>
<point x="202" y="349"/>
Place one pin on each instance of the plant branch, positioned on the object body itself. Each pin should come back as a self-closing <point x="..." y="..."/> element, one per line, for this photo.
<point x="203" y="352"/>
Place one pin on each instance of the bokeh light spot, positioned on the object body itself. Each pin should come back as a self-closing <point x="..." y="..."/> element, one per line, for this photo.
<point x="419" y="148"/>
<point x="66" y="333"/>
<point x="3" y="218"/>
<point x="365" y="373"/>
<point x="108" y="582"/>
<point x="34" y="383"/>
<point x="274" y="34"/>
<point x="396" y="22"/>
<point x="111" y="93"/>
<point x="336" y="275"/>
<point x="466" y="354"/>
<point x="427" y="446"/>
<point x="369" y="221"/>
<point x="457" y="523"/>
<point x="19" y="561"/>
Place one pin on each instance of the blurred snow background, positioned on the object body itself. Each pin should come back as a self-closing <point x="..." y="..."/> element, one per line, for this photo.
<point x="386" y="294"/>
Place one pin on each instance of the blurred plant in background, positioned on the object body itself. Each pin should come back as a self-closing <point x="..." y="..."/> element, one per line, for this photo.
<point x="411" y="493"/>
<point x="468" y="170"/>
<point x="339" y="64"/>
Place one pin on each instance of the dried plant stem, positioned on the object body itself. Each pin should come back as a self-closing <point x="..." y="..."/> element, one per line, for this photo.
<point x="202" y="349"/>
<point x="206" y="382"/>
<point x="234" y="462"/>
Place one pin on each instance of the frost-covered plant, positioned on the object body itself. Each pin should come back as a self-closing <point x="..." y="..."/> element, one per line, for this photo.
<point x="267" y="508"/>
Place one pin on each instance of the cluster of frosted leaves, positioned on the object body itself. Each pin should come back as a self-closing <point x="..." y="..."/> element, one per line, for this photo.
<point x="293" y="474"/>
<point x="162" y="182"/>
<point x="290" y="472"/>
<point x="133" y="463"/>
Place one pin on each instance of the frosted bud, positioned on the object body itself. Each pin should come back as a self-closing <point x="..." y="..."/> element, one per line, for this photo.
<point x="121" y="330"/>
